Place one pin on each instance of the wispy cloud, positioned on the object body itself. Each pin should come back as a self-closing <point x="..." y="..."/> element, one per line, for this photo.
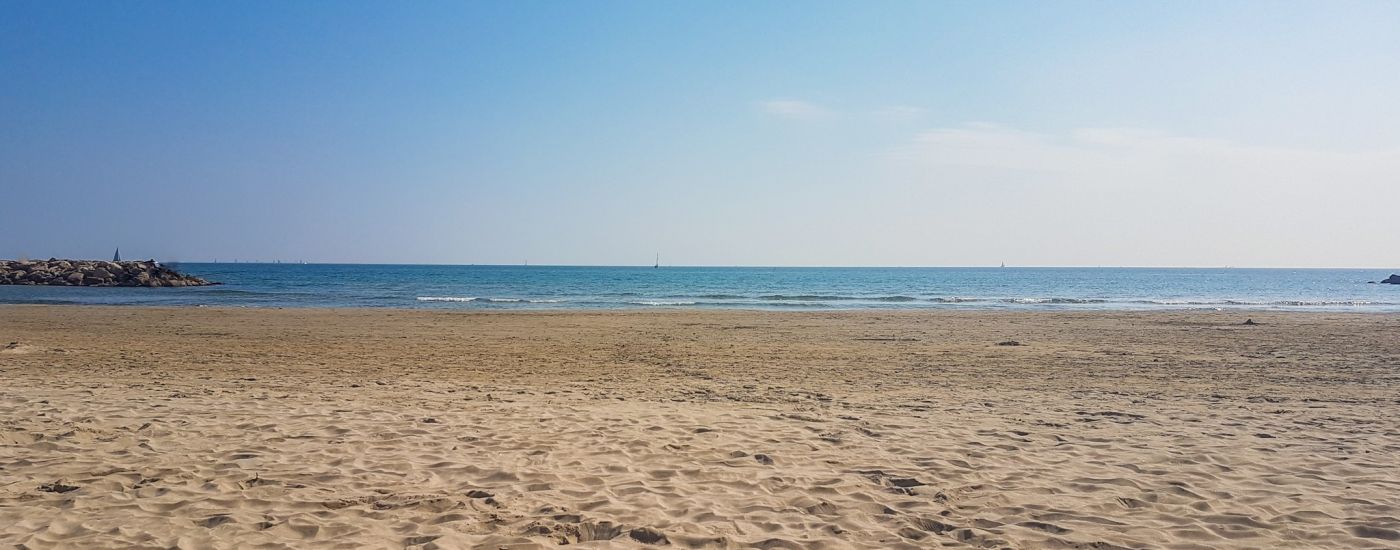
<point x="794" y="109"/>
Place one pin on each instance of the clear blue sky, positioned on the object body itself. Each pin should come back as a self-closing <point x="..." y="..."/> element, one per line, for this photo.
<point x="768" y="133"/>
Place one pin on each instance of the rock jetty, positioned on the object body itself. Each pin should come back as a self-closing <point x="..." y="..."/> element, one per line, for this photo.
<point x="1393" y="279"/>
<point x="55" y="272"/>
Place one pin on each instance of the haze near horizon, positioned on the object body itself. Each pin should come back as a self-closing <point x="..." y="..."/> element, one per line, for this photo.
<point x="1248" y="134"/>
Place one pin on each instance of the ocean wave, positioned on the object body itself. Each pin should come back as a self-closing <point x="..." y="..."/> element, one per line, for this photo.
<point x="236" y="292"/>
<point x="833" y="298"/>
<point x="1197" y="303"/>
<point x="1329" y="303"/>
<point x="805" y="297"/>
<point x="755" y="304"/>
<point x="1054" y="301"/>
<point x="446" y="299"/>
<point x="47" y="302"/>
<point x="956" y="300"/>
<point x="1292" y="303"/>
<point x="487" y="300"/>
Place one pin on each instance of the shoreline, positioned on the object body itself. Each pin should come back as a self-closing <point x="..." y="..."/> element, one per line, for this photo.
<point x="131" y="426"/>
<point x="1034" y="309"/>
<point x="516" y="287"/>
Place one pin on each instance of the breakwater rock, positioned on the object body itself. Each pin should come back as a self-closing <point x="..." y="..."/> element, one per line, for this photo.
<point x="57" y="272"/>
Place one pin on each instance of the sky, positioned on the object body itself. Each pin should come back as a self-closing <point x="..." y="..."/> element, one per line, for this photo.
<point x="713" y="133"/>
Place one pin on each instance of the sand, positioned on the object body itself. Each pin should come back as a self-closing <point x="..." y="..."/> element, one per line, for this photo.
<point x="218" y="428"/>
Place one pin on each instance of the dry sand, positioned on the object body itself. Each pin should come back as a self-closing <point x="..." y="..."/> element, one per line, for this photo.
<point x="126" y="427"/>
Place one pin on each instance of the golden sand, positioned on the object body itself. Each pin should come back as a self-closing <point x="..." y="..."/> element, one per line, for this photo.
<point x="214" y="428"/>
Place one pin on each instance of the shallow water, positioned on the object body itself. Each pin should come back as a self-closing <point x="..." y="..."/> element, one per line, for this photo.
<point x="562" y="287"/>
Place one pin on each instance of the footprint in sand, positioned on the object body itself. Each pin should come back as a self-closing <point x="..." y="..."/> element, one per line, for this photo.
<point x="16" y="348"/>
<point x="57" y="487"/>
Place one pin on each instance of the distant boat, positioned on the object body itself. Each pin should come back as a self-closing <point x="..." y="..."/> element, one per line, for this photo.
<point x="117" y="256"/>
<point x="658" y="261"/>
<point x="1003" y="264"/>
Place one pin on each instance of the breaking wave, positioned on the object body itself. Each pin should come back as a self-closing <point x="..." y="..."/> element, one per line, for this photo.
<point x="487" y="300"/>
<point x="1289" y="303"/>
<point x="1055" y="301"/>
<point x="823" y="300"/>
<point x="445" y="299"/>
<point x="834" y="298"/>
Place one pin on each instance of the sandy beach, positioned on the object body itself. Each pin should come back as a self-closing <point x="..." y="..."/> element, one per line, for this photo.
<point x="219" y="428"/>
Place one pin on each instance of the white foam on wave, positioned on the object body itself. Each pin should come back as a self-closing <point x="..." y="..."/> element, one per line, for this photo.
<point x="489" y="300"/>
<point x="1325" y="303"/>
<point x="446" y="299"/>
<point x="1294" y="303"/>
<point x="788" y="301"/>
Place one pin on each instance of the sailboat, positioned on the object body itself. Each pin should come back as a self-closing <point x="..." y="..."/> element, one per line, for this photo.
<point x="658" y="261"/>
<point x="117" y="256"/>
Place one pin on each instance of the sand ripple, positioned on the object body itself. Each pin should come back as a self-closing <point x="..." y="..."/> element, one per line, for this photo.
<point x="275" y="457"/>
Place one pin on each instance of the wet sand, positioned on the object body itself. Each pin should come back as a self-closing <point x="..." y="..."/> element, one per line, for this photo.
<point x="214" y="428"/>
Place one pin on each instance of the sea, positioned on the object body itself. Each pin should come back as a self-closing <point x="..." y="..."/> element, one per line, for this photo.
<point x="515" y="287"/>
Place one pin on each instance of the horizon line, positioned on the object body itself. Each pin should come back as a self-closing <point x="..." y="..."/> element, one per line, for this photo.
<point x="753" y="266"/>
<point x="800" y="266"/>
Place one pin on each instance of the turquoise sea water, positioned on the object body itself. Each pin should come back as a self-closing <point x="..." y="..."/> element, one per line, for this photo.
<point x="559" y="287"/>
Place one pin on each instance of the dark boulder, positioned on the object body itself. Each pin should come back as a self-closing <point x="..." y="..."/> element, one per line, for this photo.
<point x="94" y="273"/>
<point x="1393" y="279"/>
